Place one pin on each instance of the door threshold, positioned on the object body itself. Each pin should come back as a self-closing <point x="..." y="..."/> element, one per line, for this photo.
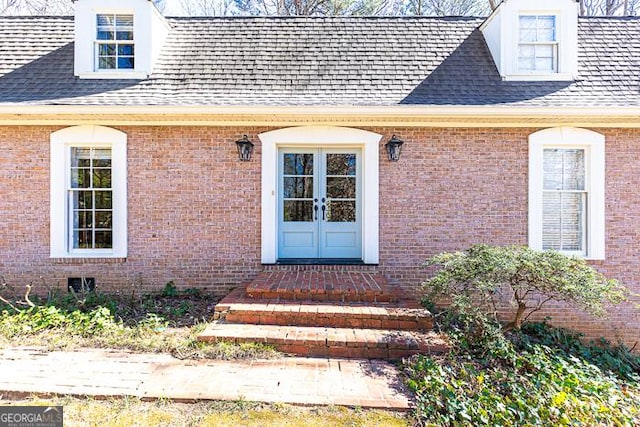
<point x="319" y="261"/>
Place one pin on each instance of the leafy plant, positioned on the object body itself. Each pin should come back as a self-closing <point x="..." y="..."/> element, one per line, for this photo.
<point x="542" y="376"/>
<point x="617" y="360"/>
<point x="547" y="386"/>
<point x="170" y="290"/>
<point x="482" y="275"/>
<point x="181" y="310"/>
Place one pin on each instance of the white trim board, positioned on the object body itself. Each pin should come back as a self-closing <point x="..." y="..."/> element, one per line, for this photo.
<point x="317" y="136"/>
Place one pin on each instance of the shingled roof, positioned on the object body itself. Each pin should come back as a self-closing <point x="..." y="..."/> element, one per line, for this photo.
<point x="318" y="61"/>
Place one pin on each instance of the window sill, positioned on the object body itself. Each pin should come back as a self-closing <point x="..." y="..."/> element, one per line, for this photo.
<point x="592" y="258"/>
<point x="539" y="77"/>
<point x="120" y="75"/>
<point x="88" y="260"/>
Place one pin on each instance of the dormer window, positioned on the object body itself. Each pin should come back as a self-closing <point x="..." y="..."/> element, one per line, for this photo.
<point x="117" y="39"/>
<point x="534" y="40"/>
<point x="114" y="42"/>
<point x="538" y="44"/>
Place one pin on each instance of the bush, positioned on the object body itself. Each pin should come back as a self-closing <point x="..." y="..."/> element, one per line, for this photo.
<point x="526" y="373"/>
<point x="483" y="274"/>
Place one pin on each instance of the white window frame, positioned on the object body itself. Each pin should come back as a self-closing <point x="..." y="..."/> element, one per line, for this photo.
<point x="60" y="231"/>
<point x="554" y="44"/>
<point x="594" y="149"/>
<point x="115" y="42"/>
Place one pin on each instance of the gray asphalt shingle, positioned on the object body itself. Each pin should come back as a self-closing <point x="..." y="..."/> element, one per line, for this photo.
<point x="318" y="61"/>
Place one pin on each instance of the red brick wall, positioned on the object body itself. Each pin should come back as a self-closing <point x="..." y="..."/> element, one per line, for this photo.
<point x="194" y="209"/>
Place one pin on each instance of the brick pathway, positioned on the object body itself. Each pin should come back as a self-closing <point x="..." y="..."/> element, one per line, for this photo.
<point x="109" y="373"/>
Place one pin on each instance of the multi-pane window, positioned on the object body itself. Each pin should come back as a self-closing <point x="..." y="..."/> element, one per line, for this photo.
<point x="564" y="200"/>
<point x="90" y="198"/>
<point x="341" y="187"/>
<point x="88" y="193"/>
<point x="537" y="44"/>
<point x="298" y="187"/>
<point x="115" y="47"/>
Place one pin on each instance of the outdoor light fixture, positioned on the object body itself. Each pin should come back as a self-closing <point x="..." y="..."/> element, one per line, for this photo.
<point x="394" y="147"/>
<point x="245" y="148"/>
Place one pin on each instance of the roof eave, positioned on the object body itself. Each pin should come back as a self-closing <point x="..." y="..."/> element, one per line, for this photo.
<point x="398" y="115"/>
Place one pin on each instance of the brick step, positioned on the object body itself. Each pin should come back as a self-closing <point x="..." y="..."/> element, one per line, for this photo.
<point x="329" y="342"/>
<point x="325" y="315"/>
<point x="321" y="285"/>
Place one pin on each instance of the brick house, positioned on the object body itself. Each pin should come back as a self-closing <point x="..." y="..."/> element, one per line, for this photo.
<point x="119" y="155"/>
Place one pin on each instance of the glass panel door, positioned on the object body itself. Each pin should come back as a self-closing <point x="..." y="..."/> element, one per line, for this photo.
<point x="319" y="203"/>
<point x="298" y="203"/>
<point x="340" y="225"/>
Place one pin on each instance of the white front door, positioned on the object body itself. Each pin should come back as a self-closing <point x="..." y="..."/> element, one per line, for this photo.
<point x="319" y="203"/>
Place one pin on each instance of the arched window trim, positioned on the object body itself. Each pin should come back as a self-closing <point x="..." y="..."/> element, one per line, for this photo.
<point x="62" y="142"/>
<point x="594" y="145"/>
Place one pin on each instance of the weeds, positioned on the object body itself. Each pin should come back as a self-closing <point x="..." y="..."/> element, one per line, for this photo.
<point x="143" y="323"/>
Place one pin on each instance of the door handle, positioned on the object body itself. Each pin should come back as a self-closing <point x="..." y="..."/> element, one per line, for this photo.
<point x="315" y="208"/>
<point x="324" y="209"/>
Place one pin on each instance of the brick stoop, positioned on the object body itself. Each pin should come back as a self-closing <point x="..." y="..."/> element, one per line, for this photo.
<point x="325" y="313"/>
<point x="321" y="285"/>
<point x="312" y="341"/>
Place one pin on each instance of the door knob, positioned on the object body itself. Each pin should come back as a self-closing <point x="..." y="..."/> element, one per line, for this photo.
<point x="324" y="209"/>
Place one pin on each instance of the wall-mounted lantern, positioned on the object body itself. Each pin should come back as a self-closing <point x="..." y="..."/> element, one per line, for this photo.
<point x="394" y="147"/>
<point x="245" y="148"/>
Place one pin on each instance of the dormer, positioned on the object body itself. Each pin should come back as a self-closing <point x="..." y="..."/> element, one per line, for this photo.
<point x="534" y="39"/>
<point x="117" y="39"/>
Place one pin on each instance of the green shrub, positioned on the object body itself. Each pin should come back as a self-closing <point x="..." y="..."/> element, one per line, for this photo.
<point x="484" y="275"/>
<point x="472" y="330"/>
<point x="525" y="373"/>
<point x="170" y="290"/>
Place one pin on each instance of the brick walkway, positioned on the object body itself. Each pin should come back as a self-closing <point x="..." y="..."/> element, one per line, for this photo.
<point x="295" y="380"/>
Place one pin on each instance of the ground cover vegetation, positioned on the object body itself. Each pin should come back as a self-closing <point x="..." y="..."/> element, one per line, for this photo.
<point x="521" y="372"/>
<point x="165" y="321"/>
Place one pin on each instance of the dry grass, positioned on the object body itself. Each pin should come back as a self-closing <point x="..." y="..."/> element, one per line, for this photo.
<point x="144" y="337"/>
<point x="133" y="412"/>
<point x="179" y="342"/>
